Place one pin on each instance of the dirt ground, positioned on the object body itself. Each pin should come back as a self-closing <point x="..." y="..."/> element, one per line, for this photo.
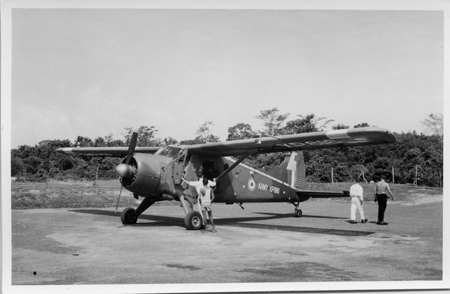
<point x="263" y="243"/>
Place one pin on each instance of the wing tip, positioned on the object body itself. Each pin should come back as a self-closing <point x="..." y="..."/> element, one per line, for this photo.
<point x="66" y="150"/>
<point x="375" y="133"/>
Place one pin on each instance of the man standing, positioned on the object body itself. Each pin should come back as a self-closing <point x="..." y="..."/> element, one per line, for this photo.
<point x="356" y="193"/>
<point x="205" y="198"/>
<point x="381" y="189"/>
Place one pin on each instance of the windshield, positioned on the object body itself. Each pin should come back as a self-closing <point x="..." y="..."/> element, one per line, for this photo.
<point x="169" y="151"/>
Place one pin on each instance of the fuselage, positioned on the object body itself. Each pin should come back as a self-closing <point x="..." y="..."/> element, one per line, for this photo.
<point x="242" y="184"/>
<point x="159" y="176"/>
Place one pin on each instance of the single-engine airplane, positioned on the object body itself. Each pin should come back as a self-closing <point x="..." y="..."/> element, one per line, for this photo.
<point x="155" y="172"/>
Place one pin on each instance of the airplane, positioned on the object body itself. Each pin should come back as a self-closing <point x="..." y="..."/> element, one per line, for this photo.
<point x="156" y="173"/>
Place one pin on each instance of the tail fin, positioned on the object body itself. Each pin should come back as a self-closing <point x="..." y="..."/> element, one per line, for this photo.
<point x="292" y="171"/>
<point x="296" y="169"/>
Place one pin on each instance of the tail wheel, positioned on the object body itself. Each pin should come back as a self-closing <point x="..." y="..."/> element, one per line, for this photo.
<point x="298" y="213"/>
<point x="193" y="220"/>
<point x="127" y="217"/>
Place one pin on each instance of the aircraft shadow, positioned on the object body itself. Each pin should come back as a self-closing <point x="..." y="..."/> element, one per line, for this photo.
<point x="304" y="229"/>
<point x="291" y="215"/>
<point x="243" y="222"/>
<point x="157" y="220"/>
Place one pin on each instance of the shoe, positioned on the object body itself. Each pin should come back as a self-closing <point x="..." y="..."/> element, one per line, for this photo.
<point x="383" y="224"/>
<point x="378" y="223"/>
<point x="364" y="221"/>
<point x="352" y="222"/>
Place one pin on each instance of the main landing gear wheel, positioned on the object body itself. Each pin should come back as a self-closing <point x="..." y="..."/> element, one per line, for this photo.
<point x="193" y="220"/>
<point x="127" y="217"/>
<point x="298" y="212"/>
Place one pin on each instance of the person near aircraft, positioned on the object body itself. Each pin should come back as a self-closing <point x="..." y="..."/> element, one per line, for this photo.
<point x="381" y="189"/>
<point x="205" y="198"/>
<point x="356" y="193"/>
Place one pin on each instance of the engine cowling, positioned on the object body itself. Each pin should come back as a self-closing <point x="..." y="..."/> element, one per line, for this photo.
<point x="142" y="175"/>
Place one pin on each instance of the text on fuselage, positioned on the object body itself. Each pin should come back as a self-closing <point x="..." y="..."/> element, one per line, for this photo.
<point x="265" y="187"/>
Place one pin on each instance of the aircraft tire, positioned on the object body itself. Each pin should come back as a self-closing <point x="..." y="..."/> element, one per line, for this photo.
<point x="298" y="213"/>
<point x="193" y="220"/>
<point x="127" y="217"/>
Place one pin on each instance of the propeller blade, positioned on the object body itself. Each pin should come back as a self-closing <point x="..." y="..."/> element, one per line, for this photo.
<point x="132" y="147"/>
<point x="118" y="199"/>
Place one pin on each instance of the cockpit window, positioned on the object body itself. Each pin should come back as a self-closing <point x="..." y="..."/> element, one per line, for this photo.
<point x="169" y="151"/>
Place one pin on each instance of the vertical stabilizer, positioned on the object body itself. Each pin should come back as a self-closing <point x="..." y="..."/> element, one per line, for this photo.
<point x="296" y="170"/>
<point x="292" y="171"/>
<point x="300" y="182"/>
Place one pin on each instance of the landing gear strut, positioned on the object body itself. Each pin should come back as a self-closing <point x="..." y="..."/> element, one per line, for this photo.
<point x="298" y="212"/>
<point x="129" y="215"/>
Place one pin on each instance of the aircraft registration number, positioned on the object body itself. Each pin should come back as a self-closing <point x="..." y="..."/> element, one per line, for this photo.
<point x="271" y="189"/>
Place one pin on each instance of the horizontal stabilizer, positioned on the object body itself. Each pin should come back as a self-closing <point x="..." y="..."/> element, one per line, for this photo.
<point x="322" y="194"/>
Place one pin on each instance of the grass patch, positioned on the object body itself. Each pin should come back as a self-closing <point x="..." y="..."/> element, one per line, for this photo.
<point x="57" y="194"/>
<point x="402" y="192"/>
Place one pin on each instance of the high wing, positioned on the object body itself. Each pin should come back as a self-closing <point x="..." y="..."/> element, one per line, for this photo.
<point x="105" y="151"/>
<point x="303" y="141"/>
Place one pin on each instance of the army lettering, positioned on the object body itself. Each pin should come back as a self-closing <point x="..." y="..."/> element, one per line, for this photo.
<point x="271" y="189"/>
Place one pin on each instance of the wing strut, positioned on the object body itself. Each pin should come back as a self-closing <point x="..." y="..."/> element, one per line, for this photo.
<point x="247" y="154"/>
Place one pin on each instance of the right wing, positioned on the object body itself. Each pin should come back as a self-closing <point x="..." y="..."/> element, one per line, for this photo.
<point x="302" y="141"/>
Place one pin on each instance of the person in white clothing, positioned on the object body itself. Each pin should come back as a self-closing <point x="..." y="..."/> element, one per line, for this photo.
<point x="356" y="193"/>
<point x="205" y="197"/>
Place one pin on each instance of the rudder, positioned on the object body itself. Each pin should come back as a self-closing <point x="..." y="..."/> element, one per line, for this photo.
<point x="296" y="170"/>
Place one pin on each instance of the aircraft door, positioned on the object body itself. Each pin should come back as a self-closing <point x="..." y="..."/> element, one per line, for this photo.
<point x="211" y="171"/>
<point x="178" y="166"/>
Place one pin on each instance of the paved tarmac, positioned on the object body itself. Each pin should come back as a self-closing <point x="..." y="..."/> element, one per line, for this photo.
<point x="263" y="243"/>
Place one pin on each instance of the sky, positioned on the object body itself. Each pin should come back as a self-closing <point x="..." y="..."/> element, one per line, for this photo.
<point x="94" y="72"/>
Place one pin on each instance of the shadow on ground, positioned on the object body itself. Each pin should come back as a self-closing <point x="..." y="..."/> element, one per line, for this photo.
<point x="165" y="221"/>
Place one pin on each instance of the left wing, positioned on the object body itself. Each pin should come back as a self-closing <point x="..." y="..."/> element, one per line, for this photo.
<point x="105" y="151"/>
<point x="303" y="141"/>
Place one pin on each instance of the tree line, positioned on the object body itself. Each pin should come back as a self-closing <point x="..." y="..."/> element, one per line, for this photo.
<point x="415" y="158"/>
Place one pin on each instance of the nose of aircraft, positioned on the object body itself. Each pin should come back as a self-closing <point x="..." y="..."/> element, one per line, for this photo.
<point x="124" y="170"/>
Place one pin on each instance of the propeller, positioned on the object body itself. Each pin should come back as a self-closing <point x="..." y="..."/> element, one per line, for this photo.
<point x="124" y="169"/>
<point x="118" y="199"/>
<point x="132" y="147"/>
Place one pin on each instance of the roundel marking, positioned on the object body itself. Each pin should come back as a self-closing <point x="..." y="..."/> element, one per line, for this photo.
<point x="251" y="184"/>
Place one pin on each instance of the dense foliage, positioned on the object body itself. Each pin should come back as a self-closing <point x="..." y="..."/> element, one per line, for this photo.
<point x="415" y="158"/>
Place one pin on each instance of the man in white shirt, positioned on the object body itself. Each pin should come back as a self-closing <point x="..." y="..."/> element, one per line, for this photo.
<point x="356" y="193"/>
<point x="205" y="198"/>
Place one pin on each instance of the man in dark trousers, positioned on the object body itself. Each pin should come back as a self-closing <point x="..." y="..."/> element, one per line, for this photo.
<point x="381" y="190"/>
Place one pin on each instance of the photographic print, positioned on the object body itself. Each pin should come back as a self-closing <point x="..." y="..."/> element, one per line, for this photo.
<point x="221" y="146"/>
